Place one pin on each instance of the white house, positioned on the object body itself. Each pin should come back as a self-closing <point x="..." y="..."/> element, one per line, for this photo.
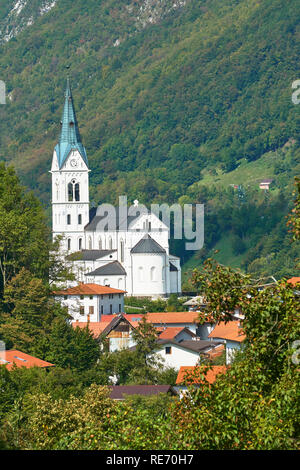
<point x="126" y="249"/>
<point x="185" y="353"/>
<point x="231" y="334"/>
<point x="88" y="302"/>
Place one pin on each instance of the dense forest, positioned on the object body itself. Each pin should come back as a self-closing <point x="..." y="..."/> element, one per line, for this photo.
<point x="253" y="405"/>
<point x="177" y="101"/>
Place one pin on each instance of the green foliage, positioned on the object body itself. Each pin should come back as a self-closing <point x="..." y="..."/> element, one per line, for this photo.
<point x="69" y="347"/>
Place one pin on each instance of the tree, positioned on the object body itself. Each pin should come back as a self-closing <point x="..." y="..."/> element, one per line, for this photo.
<point x="69" y="347"/>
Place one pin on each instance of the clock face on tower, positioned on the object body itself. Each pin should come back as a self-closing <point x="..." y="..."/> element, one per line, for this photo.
<point x="73" y="162"/>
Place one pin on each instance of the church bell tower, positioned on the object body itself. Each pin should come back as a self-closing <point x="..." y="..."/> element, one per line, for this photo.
<point x="70" y="182"/>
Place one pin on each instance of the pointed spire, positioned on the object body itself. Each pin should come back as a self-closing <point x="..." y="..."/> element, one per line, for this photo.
<point x="70" y="137"/>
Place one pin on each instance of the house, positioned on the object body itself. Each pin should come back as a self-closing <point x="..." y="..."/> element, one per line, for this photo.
<point x="265" y="184"/>
<point x="88" y="302"/>
<point x="125" y="248"/>
<point x="195" y="303"/>
<point x="176" y="355"/>
<point x="177" y="334"/>
<point x="189" y="375"/>
<point x="13" y="357"/>
<point x="187" y="320"/>
<point x="119" y="392"/>
<point x="117" y="331"/>
<point x="231" y="334"/>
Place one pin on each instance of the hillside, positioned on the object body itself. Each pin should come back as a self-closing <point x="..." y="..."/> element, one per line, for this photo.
<point x="174" y="98"/>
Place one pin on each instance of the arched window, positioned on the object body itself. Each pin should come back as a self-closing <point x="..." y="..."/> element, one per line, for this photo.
<point x="69" y="244"/>
<point x="122" y="250"/>
<point x="100" y="243"/>
<point x="80" y="243"/>
<point x="69" y="219"/>
<point x="120" y="283"/>
<point x="90" y="243"/>
<point x="105" y="282"/>
<point x="73" y="191"/>
<point x="153" y="273"/>
<point x="141" y="273"/>
<point x="79" y="219"/>
<point x="110" y="243"/>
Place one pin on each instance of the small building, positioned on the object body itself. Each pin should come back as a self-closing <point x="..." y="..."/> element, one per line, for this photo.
<point x="177" y="334"/>
<point x="117" y="331"/>
<point x="265" y="184"/>
<point x="189" y="375"/>
<point x="231" y="334"/>
<point x="88" y="302"/>
<point x="176" y="355"/>
<point x="174" y="319"/>
<point x="195" y="303"/>
<point x="13" y="358"/>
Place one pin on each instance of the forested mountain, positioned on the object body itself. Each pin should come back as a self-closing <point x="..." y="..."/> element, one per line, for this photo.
<point x="176" y="100"/>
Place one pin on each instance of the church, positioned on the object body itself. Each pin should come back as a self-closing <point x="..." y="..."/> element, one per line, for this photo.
<point x="122" y="249"/>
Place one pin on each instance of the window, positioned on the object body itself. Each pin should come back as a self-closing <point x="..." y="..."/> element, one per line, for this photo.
<point x="90" y="243"/>
<point x="110" y="309"/>
<point x="122" y="250"/>
<point x="120" y="307"/>
<point x="91" y="297"/>
<point x="100" y="243"/>
<point x="73" y="191"/>
<point x="91" y="310"/>
<point x="81" y="310"/>
<point x="168" y="350"/>
<point x="80" y="243"/>
<point x="101" y="309"/>
<point x="79" y="219"/>
<point x="141" y="273"/>
<point x="77" y="192"/>
<point x="153" y="273"/>
<point x="69" y="219"/>
<point x="81" y="297"/>
<point x="69" y="244"/>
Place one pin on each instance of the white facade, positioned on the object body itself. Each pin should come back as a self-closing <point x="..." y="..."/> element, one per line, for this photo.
<point x="177" y="356"/>
<point x="140" y="247"/>
<point x="84" y="308"/>
<point x="70" y="200"/>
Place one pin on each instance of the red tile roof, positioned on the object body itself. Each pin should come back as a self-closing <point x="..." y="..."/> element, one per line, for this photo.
<point x="210" y="376"/>
<point x="89" y="289"/>
<point x="20" y="359"/>
<point x="95" y="328"/>
<point x="230" y="331"/>
<point x="294" y="280"/>
<point x="216" y="352"/>
<point x="172" y="317"/>
<point x="171" y="332"/>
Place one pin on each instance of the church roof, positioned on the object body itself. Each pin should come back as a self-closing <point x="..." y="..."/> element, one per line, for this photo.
<point x="70" y="137"/>
<point x="112" y="223"/>
<point x="147" y="245"/>
<point x="110" y="269"/>
<point x="89" y="255"/>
